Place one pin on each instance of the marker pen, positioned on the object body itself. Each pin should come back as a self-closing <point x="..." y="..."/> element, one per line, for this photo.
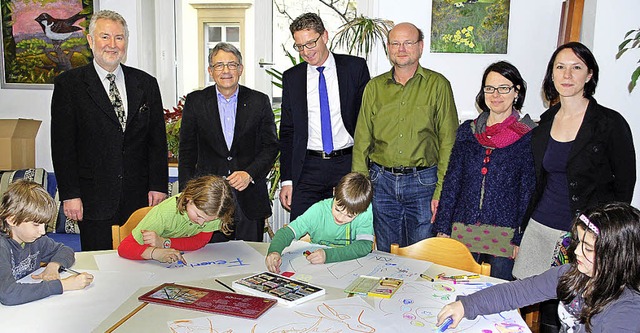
<point x="445" y="325"/>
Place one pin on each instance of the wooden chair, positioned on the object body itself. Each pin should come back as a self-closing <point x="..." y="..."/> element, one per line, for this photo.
<point x="443" y="251"/>
<point x="118" y="233"/>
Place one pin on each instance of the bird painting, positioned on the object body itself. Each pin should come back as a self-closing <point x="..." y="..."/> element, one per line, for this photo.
<point x="57" y="30"/>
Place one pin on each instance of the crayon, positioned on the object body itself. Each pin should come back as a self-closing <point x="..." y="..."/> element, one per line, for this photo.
<point x="464" y="277"/>
<point x="445" y="325"/>
<point x="427" y="277"/>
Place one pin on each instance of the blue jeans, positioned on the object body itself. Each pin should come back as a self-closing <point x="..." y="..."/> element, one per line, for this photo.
<point x="402" y="206"/>
<point x="501" y="267"/>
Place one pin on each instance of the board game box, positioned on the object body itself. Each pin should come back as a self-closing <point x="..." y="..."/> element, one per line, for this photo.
<point x="374" y="286"/>
<point x="208" y="300"/>
<point x="286" y="290"/>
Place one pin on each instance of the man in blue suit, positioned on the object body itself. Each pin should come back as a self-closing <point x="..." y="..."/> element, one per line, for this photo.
<point x="320" y="103"/>
<point x="108" y="140"/>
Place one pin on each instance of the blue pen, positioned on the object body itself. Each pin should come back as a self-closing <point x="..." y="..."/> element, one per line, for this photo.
<point x="445" y="325"/>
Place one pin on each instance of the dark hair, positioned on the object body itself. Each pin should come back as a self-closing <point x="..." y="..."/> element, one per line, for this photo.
<point x="213" y="196"/>
<point x="511" y="73"/>
<point x="310" y="21"/>
<point x="586" y="56"/>
<point x="616" y="263"/>
<point x="354" y="193"/>
<point x="24" y="201"/>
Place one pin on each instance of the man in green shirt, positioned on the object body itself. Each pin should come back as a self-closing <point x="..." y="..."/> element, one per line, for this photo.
<point x="403" y="138"/>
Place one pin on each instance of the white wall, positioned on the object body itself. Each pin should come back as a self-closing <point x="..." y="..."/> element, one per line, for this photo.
<point x="533" y="34"/>
<point x="608" y="25"/>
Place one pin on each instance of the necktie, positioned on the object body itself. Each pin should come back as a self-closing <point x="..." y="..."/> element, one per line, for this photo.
<point x="116" y="100"/>
<point x="325" y="113"/>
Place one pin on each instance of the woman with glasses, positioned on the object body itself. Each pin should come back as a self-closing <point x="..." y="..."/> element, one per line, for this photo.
<point x="490" y="178"/>
<point x="583" y="155"/>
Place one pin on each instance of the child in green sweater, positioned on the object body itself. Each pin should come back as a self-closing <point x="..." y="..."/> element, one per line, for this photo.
<point x="344" y="223"/>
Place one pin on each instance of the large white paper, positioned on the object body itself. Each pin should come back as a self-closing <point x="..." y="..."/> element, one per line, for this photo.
<point x="60" y="313"/>
<point x="411" y="309"/>
<point x="415" y="306"/>
<point x="341" y="274"/>
<point x="341" y="315"/>
<point x="219" y="259"/>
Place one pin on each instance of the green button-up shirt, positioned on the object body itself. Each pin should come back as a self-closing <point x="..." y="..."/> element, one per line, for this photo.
<point x="411" y="125"/>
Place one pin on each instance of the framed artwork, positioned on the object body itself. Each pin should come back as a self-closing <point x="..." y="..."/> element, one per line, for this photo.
<point x="41" y="39"/>
<point x="470" y="26"/>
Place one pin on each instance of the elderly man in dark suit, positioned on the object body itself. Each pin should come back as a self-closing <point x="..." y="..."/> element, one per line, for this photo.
<point x="229" y="130"/>
<point x="320" y="103"/>
<point x="108" y="139"/>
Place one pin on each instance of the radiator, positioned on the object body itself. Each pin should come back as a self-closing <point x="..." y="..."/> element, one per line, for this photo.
<point x="278" y="219"/>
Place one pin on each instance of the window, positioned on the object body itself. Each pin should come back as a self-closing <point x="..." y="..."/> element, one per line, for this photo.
<point x="215" y="33"/>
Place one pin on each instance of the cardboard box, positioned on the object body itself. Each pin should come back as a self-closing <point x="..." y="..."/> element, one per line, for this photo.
<point x="18" y="143"/>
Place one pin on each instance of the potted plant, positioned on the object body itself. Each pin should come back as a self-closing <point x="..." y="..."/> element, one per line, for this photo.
<point x="173" y="120"/>
<point x="631" y="41"/>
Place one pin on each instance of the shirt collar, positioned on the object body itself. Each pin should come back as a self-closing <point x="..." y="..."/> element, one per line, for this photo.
<point x="221" y="96"/>
<point x="102" y="73"/>
<point x="330" y="63"/>
<point x="391" y="79"/>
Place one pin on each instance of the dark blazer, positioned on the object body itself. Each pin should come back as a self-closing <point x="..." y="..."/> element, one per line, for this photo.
<point x="602" y="161"/>
<point x="353" y="76"/>
<point x="203" y="150"/>
<point x="93" y="159"/>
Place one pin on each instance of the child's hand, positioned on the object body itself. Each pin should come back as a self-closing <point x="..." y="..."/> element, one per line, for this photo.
<point x="51" y="272"/>
<point x="76" y="282"/>
<point x="167" y="255"/>
<point x="454" y="310"/>
<point x="273" y="262"/>
<point x="317" y="257"/>
<point x="150" y="237"/>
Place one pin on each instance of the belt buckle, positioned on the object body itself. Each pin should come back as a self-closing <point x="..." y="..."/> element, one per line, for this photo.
<point x="325" y="156"/>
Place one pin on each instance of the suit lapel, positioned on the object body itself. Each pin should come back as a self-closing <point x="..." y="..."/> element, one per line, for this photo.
<point x="96" y="91"/>
<point x="343" y="83"/>
<point x="585" y="132"/>
<point x="212" y="118"/>
<point x="134" y="93"/>
<point x="243" y="115"/>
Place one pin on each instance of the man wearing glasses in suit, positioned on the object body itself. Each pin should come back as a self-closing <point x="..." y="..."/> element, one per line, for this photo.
<point x="320" y="103"/>
<point x="229" y="130"/>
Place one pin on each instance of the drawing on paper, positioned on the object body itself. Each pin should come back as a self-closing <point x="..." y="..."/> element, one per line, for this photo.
<point x="328" y="318"/>
<point x="341" y="274"/>
<point x="417" y="304"/>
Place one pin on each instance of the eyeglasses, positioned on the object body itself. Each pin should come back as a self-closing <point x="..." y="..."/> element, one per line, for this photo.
<point x="407" y="44"/>
<point x="219" y="66"/>
<point x="503" y="90"/>
<point x="309" y="45"/>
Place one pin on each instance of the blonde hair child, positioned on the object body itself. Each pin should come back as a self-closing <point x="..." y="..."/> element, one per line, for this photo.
<point x="24" y="211"/>
<point x="184" y="222"/>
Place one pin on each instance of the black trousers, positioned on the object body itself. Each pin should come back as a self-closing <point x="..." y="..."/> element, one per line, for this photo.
<point x="319" y="177"/>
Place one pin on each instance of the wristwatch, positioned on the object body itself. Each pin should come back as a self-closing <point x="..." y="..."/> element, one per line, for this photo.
<point x="166" y="244"/>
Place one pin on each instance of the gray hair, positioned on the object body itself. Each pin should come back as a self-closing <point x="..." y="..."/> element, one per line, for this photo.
<point x="226" y="47"/>
<point x="108" y="15"/>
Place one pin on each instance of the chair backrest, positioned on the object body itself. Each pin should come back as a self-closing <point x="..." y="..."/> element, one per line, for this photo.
<point x="118" y="233"/>
<point x="443" y="251"/>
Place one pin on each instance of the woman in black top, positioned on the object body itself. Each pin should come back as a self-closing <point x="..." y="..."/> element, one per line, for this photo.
<point x="583" y="155"/>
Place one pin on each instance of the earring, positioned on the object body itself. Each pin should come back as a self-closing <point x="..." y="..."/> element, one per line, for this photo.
<point x="515" y="100"/>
